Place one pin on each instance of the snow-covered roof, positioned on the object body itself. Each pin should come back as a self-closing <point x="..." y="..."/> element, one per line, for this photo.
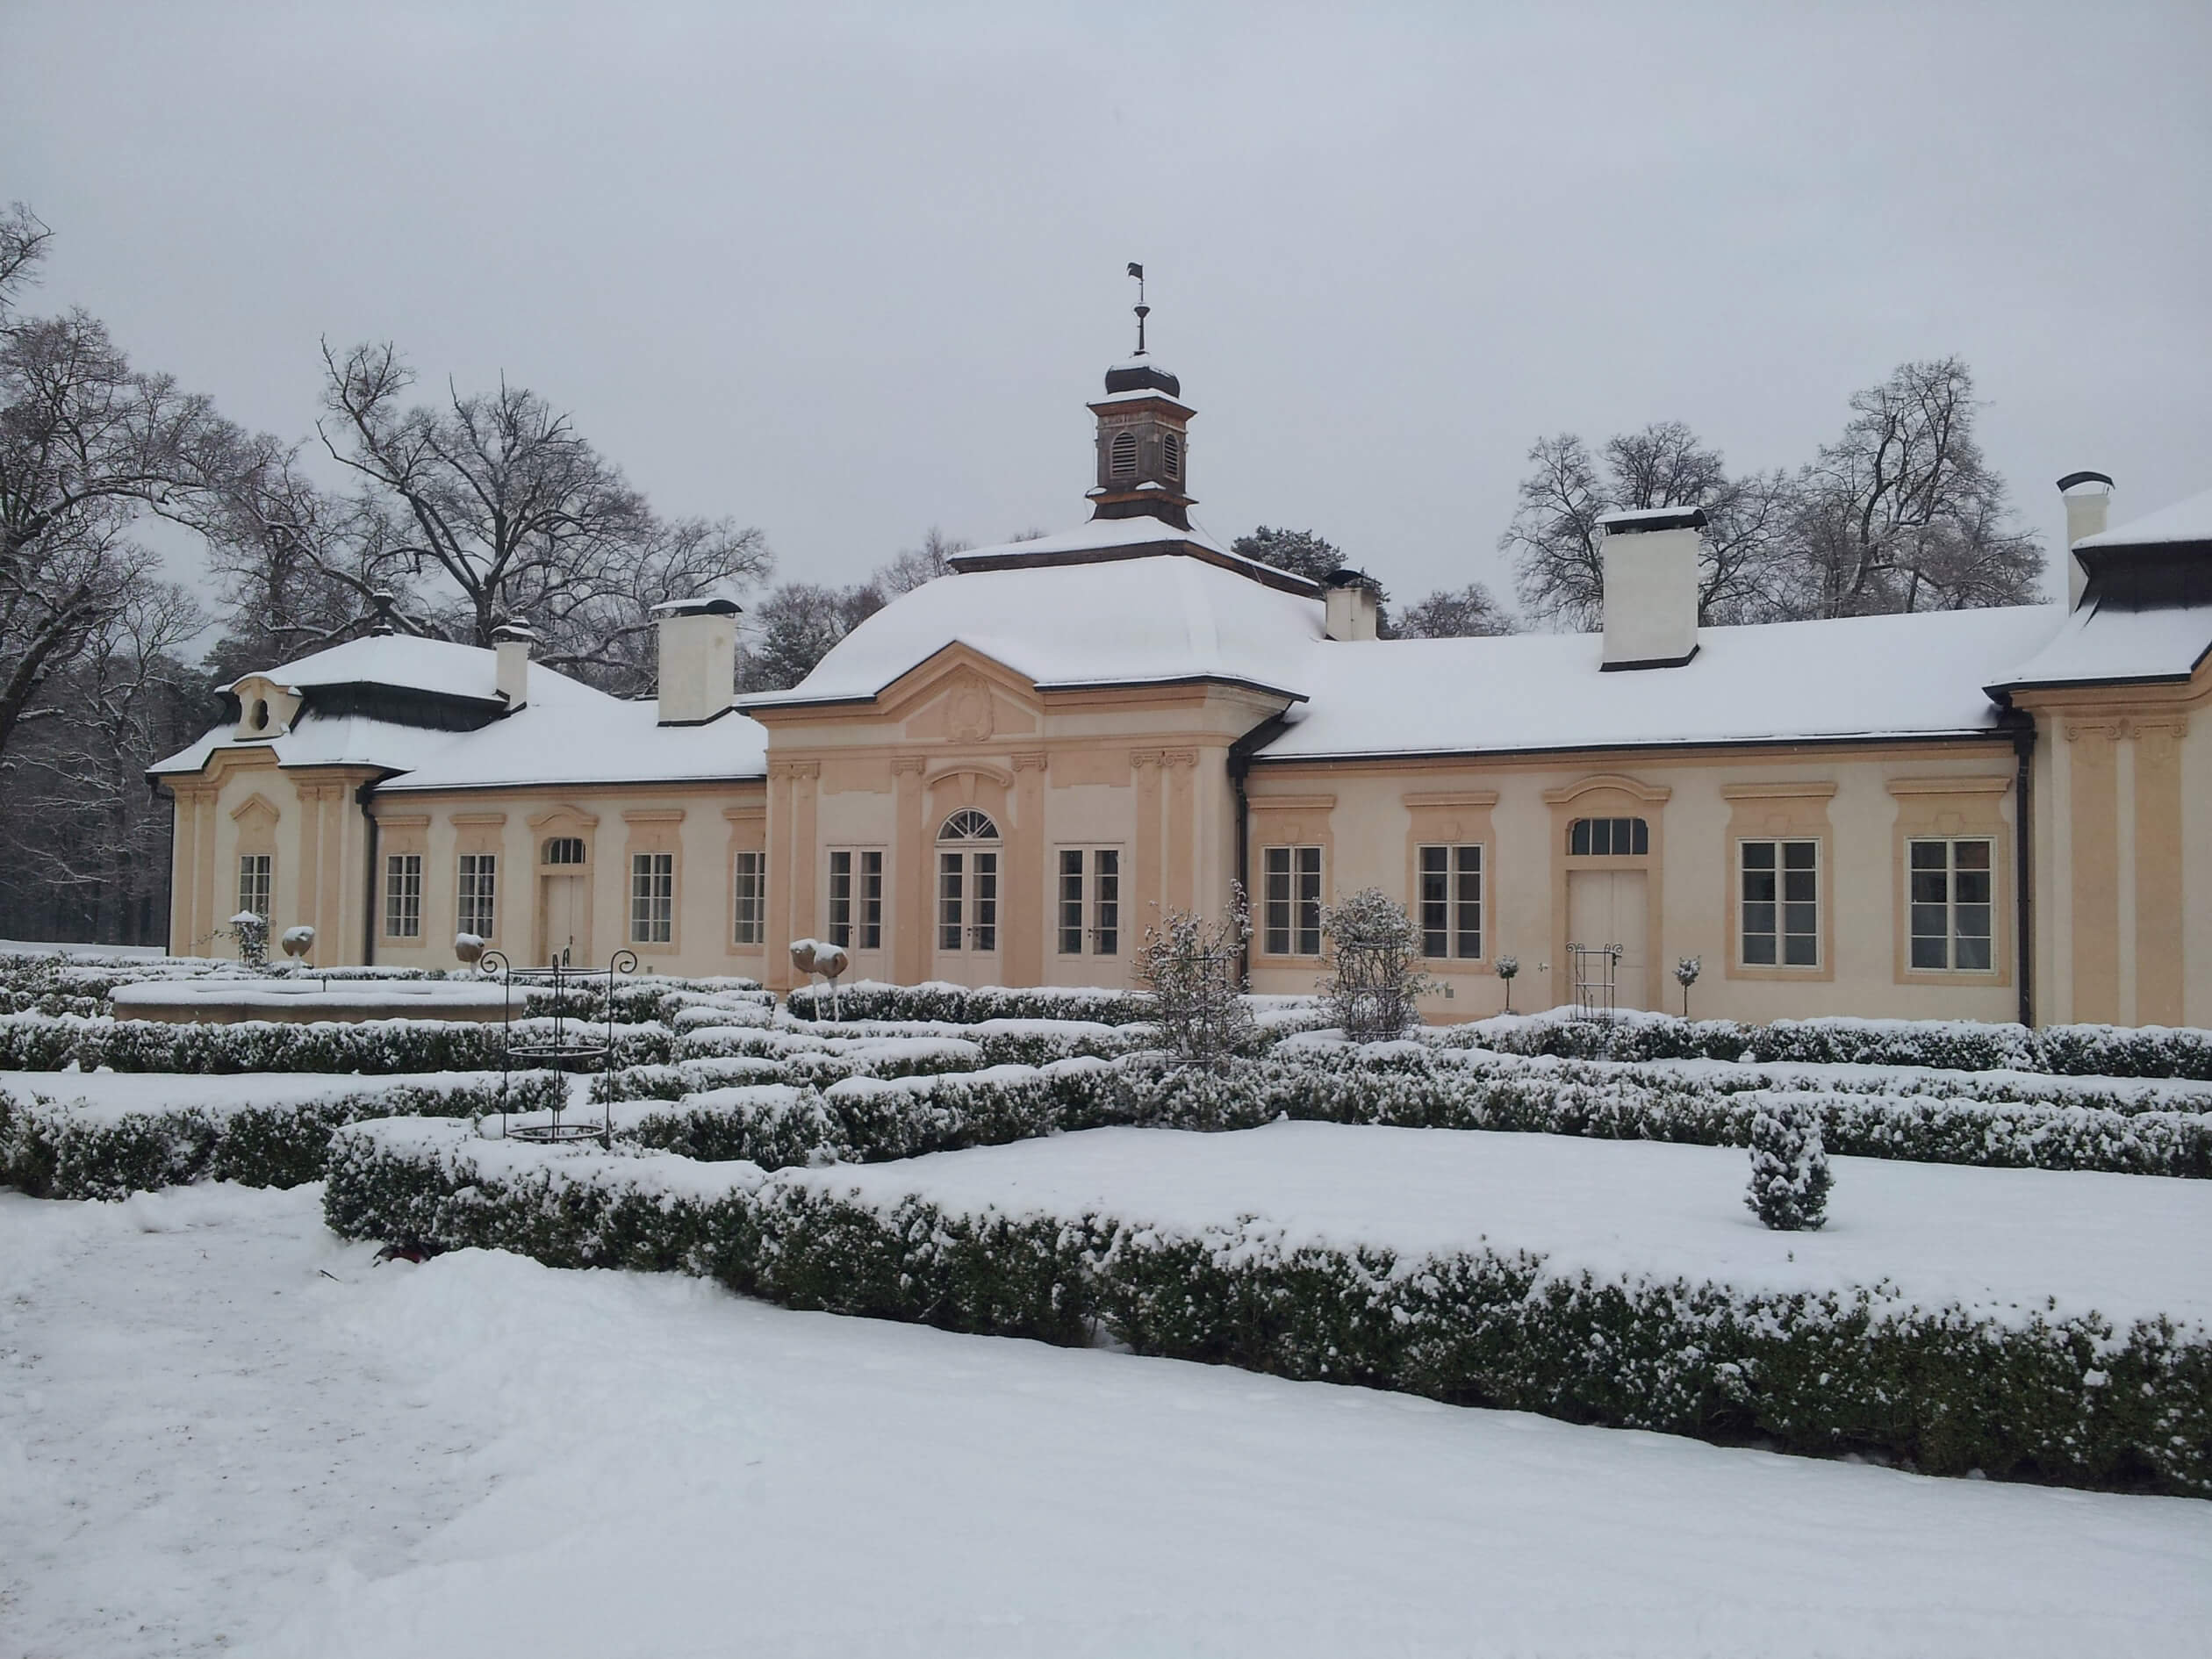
<point x="1136" y="537"/>
<point x="1137" y="621"/>
<point x="604" y="740"/>
<point x="2109" y="643"/>
<point x="321" y="740"/>
<point x="1858" y="677"/>
<point x="2189" y="521"/>
<point x="434" y="665"/>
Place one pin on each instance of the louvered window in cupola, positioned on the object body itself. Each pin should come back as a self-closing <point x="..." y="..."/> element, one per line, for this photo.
<point x="1125" y="454"/>
<point x="1171" y="454"/>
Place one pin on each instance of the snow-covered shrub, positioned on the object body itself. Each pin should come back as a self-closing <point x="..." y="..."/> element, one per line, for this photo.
<point x="52" y="1147"/>
<point x="1948" y="1389"/>
<point x="939" y="1001"/>
<point x="1371" y="990"/>
<point x="2142" y="1051"/>
<point x="1790" y="1176"/>
<point x="252" y="933"/>
<point x="36" y="1042"/>
<point x="1190" y="968"/>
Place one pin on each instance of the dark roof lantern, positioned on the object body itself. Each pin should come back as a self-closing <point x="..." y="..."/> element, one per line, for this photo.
<point x="698" y="607"/>
<point x="1141" y="376"/>
<point x="1345" y="575"/>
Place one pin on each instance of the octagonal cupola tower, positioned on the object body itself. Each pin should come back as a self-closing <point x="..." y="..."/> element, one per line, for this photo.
<point x="1143" y="438"/>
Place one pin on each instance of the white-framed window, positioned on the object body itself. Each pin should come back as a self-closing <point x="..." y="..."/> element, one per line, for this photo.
<point x="565" y="849"/>
<point x="1952" y="904"/>
<point x="1608" y="838"/>
<point x="856" y="898"/>
<point x="403" y="895"/>
<point x="1779" y="916"/>
<point x="256" y="873"/>
<point x="1087" y="904"/>
<point x="967" y="882"/>
<point x="1291" y="901"/>
<point x="1451" y="913"/>
<point x="652" y="898"/>
<point x="1125" y="454"/>
<point x="478" y="907"/>
<point x="749" y="881"/>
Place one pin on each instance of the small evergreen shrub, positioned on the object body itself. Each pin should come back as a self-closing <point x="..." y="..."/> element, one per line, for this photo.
<point x="1790" y="1177"/>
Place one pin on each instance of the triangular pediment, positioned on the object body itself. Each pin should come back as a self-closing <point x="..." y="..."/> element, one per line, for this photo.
<point x="960" y="695"/>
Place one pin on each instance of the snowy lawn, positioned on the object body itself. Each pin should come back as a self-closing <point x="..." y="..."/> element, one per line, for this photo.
<point x="208" y="1445"/>
<point x="2127" y="1246"/>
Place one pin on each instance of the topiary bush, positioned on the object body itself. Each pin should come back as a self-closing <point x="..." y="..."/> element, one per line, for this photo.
<point x="1790" y="1175"/>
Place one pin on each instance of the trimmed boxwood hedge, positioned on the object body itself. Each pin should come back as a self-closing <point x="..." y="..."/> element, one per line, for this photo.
<point x="1949" y="1389"/>
<point x="2103" y="1051"/>
<point x="38" y="1042"/>
<point x="51" y="1147"/>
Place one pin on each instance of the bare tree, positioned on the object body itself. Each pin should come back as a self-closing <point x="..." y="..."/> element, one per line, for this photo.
<point x="914" y="566"/>
<point x="1903" y="512"/>
<point x="1554" y="540"/>
<point x="496" y="497"/>
<point x="87" y="842"/>
<point x="87" y="444"/>
<point x="1464" y="612"/>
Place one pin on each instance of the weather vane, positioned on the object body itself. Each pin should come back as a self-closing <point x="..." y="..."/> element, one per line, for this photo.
<point x="1142" y="310"/>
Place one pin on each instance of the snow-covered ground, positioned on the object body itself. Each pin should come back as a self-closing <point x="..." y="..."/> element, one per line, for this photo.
<point x="2000" y="1239"/>
<point x="208" y="1446"/>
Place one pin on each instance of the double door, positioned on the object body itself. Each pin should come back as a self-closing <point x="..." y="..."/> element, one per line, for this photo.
<point x="966" y="923"/>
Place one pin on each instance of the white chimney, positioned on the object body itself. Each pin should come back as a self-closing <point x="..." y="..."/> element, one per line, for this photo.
<point x="510" y="642"/>
<point x="1651" y="587"/>
<point x="1351" y="604"/>
<point x="2087" y="510"/>
<point x="698" y="660"/>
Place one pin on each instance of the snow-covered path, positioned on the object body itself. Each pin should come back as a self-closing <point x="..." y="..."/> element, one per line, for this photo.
<point x="206" y="1445"/>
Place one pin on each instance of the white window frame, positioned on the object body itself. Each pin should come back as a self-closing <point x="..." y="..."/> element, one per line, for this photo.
<point x="256" y="882"/>
<point x="403" y="895"/>
<point x="1290" y="900"/>
<point x="853" y="898"/>
<point x="1450" y="921"/>
<point x="1781" y="933"/>
<point x="1087" y="900"/>
<point x="652" y="898"/>
<point x="476" y="893"/>
<point x="1950" y="904"/>
<point x="749" y="897"/>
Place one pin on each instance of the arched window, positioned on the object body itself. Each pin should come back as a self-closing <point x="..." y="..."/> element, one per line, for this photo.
<point x="261" y="714"/>
<point x="1608" y="838"/>
<point x="565" y="849"/>
<point x="967" y="824"/>
<point x="1125" y="454"/>
<point x="967" y="883"/>
<point x="1171" y="454"/>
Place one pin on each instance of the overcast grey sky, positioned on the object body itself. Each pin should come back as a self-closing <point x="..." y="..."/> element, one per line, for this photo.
<point x="847" y="272"/>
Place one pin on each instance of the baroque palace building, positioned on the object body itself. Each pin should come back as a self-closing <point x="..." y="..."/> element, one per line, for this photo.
<point x="1009" y="774"/>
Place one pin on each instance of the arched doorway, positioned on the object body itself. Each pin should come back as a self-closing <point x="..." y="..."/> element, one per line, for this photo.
<point x="965" y="925"/>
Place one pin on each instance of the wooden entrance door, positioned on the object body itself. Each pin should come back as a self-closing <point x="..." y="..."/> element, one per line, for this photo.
<point x="1607" y="907"/>
<point x="564" y="919"/>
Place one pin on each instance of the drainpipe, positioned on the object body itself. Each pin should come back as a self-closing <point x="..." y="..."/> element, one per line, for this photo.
<point x="1240" y="754"/>
<point x="369" y="901"/>
<point x="2024" y="872"/>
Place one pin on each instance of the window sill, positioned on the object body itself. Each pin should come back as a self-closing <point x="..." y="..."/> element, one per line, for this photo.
<point x="1759" y="971"/>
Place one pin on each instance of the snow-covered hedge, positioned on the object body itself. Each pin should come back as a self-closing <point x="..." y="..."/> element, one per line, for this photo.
<point x="938" y="1000"/>
<point x="38" y="1042"/>
<point x="2149" y="1051"/>
<point x="53" y="1146"/>
<point x="1949" y="1389"/>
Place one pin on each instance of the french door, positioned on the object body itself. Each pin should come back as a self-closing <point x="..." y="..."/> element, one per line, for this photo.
<point x="965" y="930"/>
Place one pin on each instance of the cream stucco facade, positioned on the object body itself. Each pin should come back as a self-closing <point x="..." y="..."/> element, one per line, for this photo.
<point x="1007" y="775"/>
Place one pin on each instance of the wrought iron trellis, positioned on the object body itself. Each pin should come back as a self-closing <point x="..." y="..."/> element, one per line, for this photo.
<point x="575" y="1041"/>
<point x="1594" y="969"/>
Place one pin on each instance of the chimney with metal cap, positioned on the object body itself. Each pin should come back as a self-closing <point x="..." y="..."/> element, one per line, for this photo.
<point x="2088" y="511"/>
<point x="1651" y="587"/>
<point x="698" y="660"/>
<point x="1351" y="604"/>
